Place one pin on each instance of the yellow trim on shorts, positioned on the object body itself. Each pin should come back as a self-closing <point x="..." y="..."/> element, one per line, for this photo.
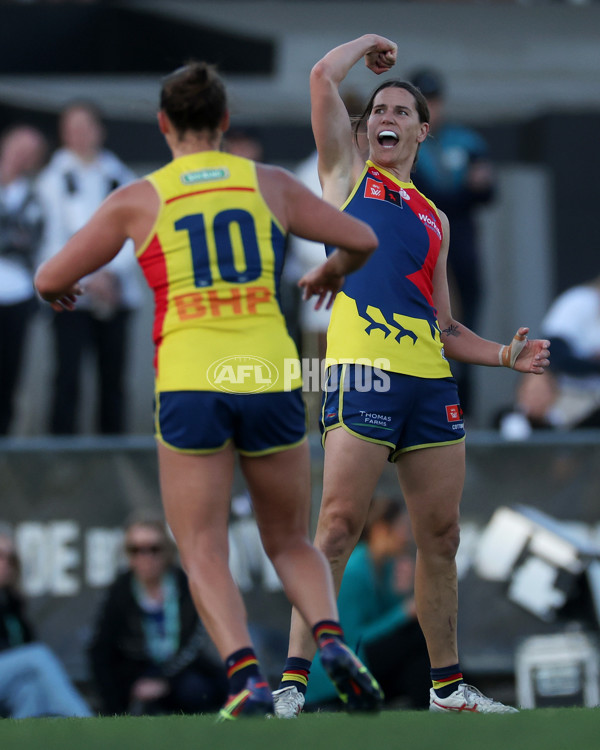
<point x="192" y="451"/>
<point x="274" y="449"/>
<point x="184" y="451"/>
<point x="396" y="454"/>
<point x="341" y="423"/>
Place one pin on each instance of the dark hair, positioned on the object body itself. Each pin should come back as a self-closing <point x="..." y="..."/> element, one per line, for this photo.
<point x="151" y="518"/>
<point x="14" y="559"/>
<point x="429" y="82"/>
<point x="421" y="105"/>
<point x="384" y="510"/>
<point x="86" y="105"/>
<point x="193" y="97"/>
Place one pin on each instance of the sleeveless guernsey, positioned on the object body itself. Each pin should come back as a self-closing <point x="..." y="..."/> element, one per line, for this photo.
<point x="213" y="260"/>
<point x="384" y="316"/>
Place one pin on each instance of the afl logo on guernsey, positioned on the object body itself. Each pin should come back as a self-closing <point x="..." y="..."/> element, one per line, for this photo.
<point x="403" y="194"/>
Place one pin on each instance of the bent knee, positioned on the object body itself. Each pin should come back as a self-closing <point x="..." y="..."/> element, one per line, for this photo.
<point x="36" y="658"/>
<point x="338" y="531"/>
<point x="441" y="540"/>
<point x="275" y="545"/>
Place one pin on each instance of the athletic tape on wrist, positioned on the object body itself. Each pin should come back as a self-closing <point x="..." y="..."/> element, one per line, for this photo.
<point x="507" y="356"/>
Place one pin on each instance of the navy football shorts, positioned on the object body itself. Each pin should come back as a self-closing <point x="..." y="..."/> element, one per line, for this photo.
<point x="206" y="421"/>
<point x="402" y="412"/>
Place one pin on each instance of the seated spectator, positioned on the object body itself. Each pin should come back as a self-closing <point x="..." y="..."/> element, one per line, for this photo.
<point x="534" y="408"/>
<point x="150" y="654"/>
<point x="573" y="325"/>
<point x="377" y="608"/>
<point x="33" y="682"/>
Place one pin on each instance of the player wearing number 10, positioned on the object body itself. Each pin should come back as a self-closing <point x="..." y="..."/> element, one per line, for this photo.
<point x="209" y="230"/>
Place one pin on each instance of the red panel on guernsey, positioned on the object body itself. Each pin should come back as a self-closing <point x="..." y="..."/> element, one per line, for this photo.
<point x="423" y="278"/>
<point x="210" y="190"/>
<point x="154" y="267"/>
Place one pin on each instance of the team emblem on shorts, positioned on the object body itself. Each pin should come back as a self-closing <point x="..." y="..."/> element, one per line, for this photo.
<point x="454" y="413"/>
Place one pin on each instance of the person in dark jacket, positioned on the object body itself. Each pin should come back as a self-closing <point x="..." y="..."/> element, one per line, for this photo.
<point x="455" y="171"/>
<point x="22" y="152"/>
<point x="150" y="654"/>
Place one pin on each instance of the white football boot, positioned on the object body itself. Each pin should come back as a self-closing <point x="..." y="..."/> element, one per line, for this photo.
<point x="288" y="702"/>
<point x="468" y="698"/>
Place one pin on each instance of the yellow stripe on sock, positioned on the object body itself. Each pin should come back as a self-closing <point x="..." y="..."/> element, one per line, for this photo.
<point x="294" y="677"/>
<point x="442" y="683"/>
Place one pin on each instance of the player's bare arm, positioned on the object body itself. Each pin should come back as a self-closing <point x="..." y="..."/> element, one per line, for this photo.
<point x="300" y="212"/>
<point x="339" y="159"/>
<point x="125" y="213"/>
<point x="462" y="344"/>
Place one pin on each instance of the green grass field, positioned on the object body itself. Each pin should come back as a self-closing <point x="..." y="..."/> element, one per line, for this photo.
<point x="547" y="729"/>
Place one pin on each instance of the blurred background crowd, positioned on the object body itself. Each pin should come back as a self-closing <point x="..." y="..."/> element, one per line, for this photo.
<point x="512" y="159"/>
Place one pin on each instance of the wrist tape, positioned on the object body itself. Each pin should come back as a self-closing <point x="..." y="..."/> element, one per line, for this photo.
<point x="507" y="356"/>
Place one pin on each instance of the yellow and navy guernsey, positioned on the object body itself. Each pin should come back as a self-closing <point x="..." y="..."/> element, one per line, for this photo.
<point x="384" y="316"/>
<point x="213" y="260"/>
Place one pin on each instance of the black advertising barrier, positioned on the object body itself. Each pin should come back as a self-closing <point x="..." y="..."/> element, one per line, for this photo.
<point x="67" y="499"/>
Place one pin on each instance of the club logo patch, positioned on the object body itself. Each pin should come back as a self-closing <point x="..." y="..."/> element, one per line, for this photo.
<point x="382" y="192"/>
<point x="454" y="413"/>
<point x="374" y="189"/>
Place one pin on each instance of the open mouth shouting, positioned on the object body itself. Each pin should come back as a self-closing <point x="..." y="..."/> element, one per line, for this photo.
<point x="387" y="138"/>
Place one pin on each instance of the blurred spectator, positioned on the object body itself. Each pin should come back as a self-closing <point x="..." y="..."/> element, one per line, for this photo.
<point x="32" y="680"/>
<point x="301" y="257"/>
<point x="248" y="561"/>
<point x="454" y="171"/>
<point x="573" y="325"/>
<point x="150" y="654"/>
<point x="378" y="613"/>
<point x="80" y="175"/>
<point x="22" y="151"/>
<point x="243" y="143"/>
<point x="534" y="408"/>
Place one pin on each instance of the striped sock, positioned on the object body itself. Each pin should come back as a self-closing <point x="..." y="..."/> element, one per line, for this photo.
<point x="446" y="679"/>
<point x="295" y="674"/>
<point x="240" y="666"/>
<point x="326" y="629"/>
